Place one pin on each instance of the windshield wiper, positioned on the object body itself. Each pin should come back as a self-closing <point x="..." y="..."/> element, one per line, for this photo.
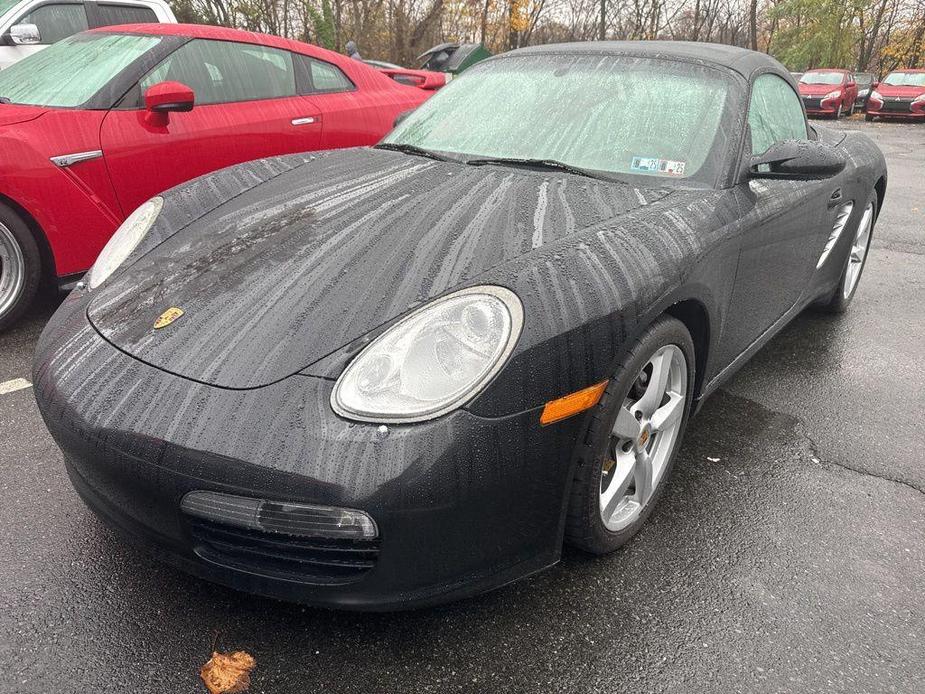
<point x="539" y="164"/>
<point x="5" y="100"/>
<point x="411" y="149"/>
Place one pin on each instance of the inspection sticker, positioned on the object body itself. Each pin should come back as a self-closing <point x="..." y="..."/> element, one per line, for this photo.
<point x="654" y="165"/>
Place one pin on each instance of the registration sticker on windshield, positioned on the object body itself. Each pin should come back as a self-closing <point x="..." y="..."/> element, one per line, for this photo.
<point x="654" y="165"/>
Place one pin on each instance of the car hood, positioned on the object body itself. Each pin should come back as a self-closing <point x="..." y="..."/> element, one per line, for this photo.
<point x="891" y="91"/>
<point x="819" y="89"/>
<point x="11" y="114"/>
<point x="284" y="273"/>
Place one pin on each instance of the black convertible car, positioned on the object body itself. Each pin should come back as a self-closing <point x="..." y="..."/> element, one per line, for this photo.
<point x="393" y="376"/>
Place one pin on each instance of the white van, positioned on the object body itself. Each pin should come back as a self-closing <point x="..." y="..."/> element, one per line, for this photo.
<point x="28" y="26"/>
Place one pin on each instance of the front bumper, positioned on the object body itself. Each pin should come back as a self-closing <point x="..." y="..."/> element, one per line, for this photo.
<point x="896" y="109"/>
<point x="463" y="503"/>
<point x="816" y="106"/>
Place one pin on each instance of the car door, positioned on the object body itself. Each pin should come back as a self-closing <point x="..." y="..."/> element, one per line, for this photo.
<point x="247" y="107"/>
<point x="783" y="223"/>
<point x="352" y="117"/>
<point x="55" y="21"/>
<point x="851" y="92"/>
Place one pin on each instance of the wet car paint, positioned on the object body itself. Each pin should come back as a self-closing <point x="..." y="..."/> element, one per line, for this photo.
<point x="140" y="160"/>
<point x="589" y="286"/>
<point x="784" y="556"/>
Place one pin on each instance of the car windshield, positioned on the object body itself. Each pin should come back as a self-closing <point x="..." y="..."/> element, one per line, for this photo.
<point x="822" y="78"/>
<point x="71" y="71"/>
<point x="863" y="79"/>
<point x="613" y="115"/>
<point x="905" y="79"/>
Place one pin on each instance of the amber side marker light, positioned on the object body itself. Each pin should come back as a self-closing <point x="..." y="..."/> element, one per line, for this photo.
<point x="572" y="404"/>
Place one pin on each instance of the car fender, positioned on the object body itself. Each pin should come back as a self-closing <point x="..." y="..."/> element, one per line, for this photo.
<point x="73" y="203"/>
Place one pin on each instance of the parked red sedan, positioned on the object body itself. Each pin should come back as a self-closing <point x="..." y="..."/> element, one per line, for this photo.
<point x="901" y="94"/>
<point x="97" y="124"/>
<point x="828" y="92"/>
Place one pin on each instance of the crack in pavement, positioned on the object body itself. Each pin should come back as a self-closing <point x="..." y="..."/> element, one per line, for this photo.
<point x="801" y="429"/>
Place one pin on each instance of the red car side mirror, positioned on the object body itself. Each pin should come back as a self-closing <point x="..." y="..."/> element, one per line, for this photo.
<point x="874" y="85"/>
<point x="164" y="98"/>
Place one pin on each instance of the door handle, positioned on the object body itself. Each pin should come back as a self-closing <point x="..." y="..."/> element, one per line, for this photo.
<point x="835" y="198"/>
<point x="306" y="120"/>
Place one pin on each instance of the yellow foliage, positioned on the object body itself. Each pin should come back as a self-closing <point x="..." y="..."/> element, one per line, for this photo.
<point x="520" y="15"/>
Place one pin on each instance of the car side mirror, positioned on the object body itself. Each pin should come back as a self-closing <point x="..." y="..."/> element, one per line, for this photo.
<point x="797" y="159"/>
<point x="25" y="35"/>
<point x="874" y="85"/>
<point x="401" y="116"/>
<point x="164" y="98"/>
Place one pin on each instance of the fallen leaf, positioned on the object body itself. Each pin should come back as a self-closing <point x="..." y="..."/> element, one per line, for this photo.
<point x="228" y="673"/>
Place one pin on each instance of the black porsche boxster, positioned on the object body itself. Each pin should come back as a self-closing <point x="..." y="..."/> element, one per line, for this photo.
<point x="392" y="376"/>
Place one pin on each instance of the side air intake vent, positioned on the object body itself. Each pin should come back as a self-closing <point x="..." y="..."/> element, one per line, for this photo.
<point x="841" y="219"/>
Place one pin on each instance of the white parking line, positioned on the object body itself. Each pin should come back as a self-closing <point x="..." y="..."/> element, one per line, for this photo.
<point x="14" y="385"/>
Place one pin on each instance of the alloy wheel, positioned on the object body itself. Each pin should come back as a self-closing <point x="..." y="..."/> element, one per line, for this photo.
<point x="643" y="438"/>
<point x="858" y="251"/>
<point x="12" y="270"/>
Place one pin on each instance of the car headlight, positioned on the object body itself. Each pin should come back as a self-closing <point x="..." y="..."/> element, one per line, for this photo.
<point x="876" y="95"/>
<point x="124" y="241"/>
<point x="432" y="361"/>
<point x="919" y="99"/>
<point x="832" y="95"/>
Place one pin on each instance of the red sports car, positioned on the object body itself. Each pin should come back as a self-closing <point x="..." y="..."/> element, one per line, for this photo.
<point x="98" y="123"/>
<point x="828" y="92"/>
<point x="901" y="94"/>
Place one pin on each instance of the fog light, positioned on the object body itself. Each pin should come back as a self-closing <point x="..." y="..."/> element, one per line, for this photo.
<point x="290" y="518"/>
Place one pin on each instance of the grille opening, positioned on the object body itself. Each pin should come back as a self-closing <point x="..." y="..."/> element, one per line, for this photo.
<point x="285" y="540"/>
<point x="282" y="556"/>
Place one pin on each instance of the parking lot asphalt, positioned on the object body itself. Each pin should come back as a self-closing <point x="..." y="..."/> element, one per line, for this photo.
<point x="787" y="554"/>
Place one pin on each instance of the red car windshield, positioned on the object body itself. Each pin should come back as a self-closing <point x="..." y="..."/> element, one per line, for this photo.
<point x="68" y="73"/>
<point x="905" y="79"/>
<point x="822" y="78"/>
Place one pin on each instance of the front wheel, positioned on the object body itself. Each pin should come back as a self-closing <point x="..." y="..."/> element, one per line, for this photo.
<point x="634" y="436"/>
<point x="20" y="267"/>
<point x="854" y="265"/>
<point x="838" y="112"/>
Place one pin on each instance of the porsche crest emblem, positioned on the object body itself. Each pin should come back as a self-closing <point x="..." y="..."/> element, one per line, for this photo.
<point x="168" y="317"/>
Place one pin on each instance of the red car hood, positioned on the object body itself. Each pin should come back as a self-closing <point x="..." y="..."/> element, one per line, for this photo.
<point x="10" y="114"/>
<point x="818" y="89"/>
<point x="896" y="90"/>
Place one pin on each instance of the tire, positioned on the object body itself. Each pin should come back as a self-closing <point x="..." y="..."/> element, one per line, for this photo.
<point x="837" y="115"/>
<point x="668" y="340"/>
<point x="868" y="117"/>
<point x="20" y="267"/>
<point x="842" y="295"/>
<point x="851" y="110"/>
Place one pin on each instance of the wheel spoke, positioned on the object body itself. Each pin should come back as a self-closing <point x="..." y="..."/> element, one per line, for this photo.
<point x="643" y="477"/>
<point x="669" y="413"/>
<point x="623" y="475"/>
<point x="626" y="426"/>
<point x="652" y="398"/>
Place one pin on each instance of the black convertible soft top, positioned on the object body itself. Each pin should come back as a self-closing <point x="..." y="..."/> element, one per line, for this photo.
<point x="741" y="60"/>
